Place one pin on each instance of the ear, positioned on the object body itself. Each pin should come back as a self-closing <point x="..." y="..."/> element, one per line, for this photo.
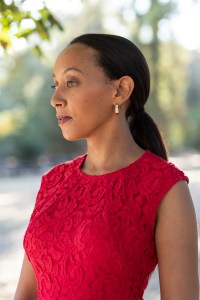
<point x="123" y="89"/>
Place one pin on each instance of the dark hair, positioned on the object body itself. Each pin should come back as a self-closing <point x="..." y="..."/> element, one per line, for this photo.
<point x="119" y="57"/>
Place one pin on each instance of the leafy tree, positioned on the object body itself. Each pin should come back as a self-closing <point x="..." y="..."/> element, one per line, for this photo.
<point x="193" y="102"/>
<point x="167" y="62"/>
<point x="172" y="82"/>
<point x="17" y="22"/>
<point x="158" y="10"/>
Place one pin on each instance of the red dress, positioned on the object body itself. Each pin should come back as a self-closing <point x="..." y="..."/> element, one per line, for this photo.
<point x="92" y="237"/>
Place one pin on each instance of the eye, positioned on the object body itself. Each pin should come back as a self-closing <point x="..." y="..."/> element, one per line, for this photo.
<point x="54" y="87"/>
<point x="71" y="83"/>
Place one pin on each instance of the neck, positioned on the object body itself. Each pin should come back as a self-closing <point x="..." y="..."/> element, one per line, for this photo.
<point x="111" y="150"/>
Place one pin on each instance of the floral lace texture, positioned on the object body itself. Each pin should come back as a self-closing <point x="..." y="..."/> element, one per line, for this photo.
<point x="92" y="237"/>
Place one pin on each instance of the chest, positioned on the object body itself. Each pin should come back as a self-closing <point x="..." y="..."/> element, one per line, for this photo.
<point x="90" y="216"/>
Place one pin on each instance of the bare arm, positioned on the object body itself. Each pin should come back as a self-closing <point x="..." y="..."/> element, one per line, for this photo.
<point x="27" y="287"/>
<point x="177" y="245"/>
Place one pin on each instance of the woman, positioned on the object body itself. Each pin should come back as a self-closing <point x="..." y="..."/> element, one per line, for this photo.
<point x="103" y="221"/>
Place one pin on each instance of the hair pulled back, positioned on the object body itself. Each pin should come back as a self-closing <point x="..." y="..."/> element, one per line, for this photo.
<point x="120" y="57"/>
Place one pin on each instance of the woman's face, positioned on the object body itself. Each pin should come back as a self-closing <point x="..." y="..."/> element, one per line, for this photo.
<point x="84" y="96"/>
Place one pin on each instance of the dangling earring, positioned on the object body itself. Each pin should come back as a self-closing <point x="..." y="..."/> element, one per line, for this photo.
<point x="117" y="109"/>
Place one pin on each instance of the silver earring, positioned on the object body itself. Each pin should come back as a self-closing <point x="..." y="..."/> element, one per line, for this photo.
<point x="117" y="109"/>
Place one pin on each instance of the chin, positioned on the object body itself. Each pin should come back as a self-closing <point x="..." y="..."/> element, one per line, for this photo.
<point x="72" y="137"/>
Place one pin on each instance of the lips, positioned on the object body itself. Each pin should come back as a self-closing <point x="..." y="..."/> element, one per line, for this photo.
<point x="63" y="119"/>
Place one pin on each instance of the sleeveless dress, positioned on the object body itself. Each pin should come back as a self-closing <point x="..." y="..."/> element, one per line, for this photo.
<point x="91" y="237"/>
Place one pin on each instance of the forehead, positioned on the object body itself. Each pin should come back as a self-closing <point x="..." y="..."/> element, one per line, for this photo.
<point x="76" y="55"/>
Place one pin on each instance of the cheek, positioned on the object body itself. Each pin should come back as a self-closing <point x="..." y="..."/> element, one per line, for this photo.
<point x="90" y="107"/>
<point x="98" y="101"/>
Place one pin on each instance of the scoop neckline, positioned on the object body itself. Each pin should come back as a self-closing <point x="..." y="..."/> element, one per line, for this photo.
<point x="126" y="168"/>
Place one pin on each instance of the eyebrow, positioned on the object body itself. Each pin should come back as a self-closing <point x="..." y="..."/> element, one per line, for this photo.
<point x="70" y="69"/>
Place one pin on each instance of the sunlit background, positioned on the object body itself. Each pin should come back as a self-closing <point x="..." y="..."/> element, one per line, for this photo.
<point x="32" y="33"/>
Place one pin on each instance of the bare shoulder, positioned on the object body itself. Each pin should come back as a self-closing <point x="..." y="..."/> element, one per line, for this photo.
<point x="177" y="203"/>
<point x="177" y="245"/>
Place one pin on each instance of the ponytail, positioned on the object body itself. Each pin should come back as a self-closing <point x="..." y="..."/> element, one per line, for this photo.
<point x="146" y="133"/>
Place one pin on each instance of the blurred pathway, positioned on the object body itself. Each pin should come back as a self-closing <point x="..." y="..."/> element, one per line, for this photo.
<point x="17" y="196"/>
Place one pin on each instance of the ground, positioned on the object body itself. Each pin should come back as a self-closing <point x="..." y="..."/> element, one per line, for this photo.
<point x="17" y="196"/>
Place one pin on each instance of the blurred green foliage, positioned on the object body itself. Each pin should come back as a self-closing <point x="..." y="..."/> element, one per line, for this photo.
<point x="192" y="126"/>
<point x="33" y="126"/>
<point x="17" y="22"/>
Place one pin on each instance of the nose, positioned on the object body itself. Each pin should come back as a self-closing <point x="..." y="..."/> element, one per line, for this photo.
<point x="57" y="100"/>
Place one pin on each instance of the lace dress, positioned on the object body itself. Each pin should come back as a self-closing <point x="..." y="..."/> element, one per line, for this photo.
<point x="92" y="237"/>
